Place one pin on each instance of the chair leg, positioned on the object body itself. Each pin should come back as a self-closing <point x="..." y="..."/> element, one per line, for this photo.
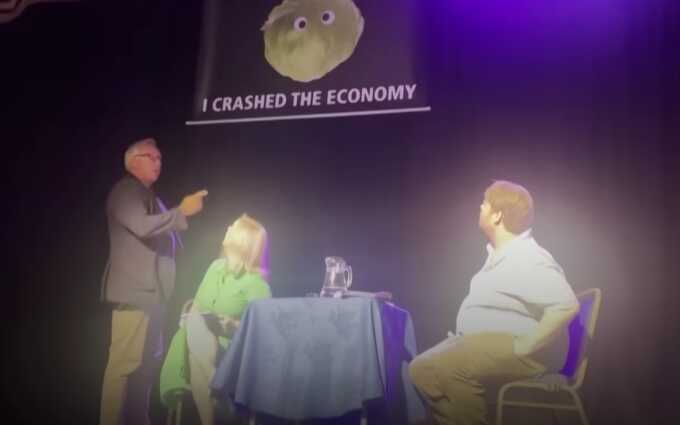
<point x="499" y="407"/>
<point x="178" y="418"/>
<point x="176" y="413"/>
<point x="579" y="405"/>
<point x="574" y="395"/>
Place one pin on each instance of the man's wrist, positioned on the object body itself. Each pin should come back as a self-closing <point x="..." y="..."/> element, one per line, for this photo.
<point x="182" y="221"/>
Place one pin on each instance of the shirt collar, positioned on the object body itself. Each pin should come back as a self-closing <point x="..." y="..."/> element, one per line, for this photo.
<point x="496" y="255"/>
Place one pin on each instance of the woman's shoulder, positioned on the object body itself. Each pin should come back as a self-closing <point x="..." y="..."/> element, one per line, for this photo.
<point x="217" y="266"/>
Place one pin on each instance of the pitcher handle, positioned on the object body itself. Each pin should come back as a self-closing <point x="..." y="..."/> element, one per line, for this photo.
<point x="349" y="276"/>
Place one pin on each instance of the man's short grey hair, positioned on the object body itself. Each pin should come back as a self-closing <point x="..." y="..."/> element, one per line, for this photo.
<point x="133" y="150"/>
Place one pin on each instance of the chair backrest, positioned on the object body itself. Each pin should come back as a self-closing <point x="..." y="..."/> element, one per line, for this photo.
<point x="581" y="332"/>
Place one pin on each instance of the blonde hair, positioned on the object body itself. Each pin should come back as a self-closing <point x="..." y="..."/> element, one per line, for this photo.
<point x="246" y="240"/>
<point x="514" y="201"/>
<point x="133" y="150"/>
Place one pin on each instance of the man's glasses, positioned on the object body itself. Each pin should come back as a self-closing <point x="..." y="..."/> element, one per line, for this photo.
<point x="150" y="156"/>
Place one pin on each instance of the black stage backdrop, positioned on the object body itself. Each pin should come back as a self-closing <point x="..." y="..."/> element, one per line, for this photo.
<point x="577" y="102"/>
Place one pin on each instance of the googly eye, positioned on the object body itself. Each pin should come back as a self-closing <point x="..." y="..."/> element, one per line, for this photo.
<point x="300" y="23"/>
<point x="327" y="17"/>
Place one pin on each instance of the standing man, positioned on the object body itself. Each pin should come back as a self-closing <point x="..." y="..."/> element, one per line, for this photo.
<point x="138" y="280"/>
<point x="512" y="324"/>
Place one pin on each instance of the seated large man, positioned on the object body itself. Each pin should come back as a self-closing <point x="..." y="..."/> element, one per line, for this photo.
<point x="512" y="324"/>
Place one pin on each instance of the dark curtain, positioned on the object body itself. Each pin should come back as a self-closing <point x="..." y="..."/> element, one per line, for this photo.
<point x="575" y="100"/>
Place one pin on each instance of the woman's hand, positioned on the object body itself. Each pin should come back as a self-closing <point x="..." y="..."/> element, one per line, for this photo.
<point x="229" y="325"/>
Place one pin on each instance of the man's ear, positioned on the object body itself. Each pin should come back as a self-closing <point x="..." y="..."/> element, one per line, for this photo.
<point x="497" y="217"/>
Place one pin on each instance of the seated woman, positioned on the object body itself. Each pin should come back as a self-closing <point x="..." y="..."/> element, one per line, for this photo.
<point x="231" y="282"/>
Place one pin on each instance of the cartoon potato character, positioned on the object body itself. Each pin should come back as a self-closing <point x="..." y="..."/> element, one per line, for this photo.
<point x="306" y="39"/>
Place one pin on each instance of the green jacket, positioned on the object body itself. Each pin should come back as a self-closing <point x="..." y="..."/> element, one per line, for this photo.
<point x="220" y="292"/>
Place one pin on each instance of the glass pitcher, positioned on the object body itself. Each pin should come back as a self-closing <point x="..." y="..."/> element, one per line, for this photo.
<point x="338" y="278"/>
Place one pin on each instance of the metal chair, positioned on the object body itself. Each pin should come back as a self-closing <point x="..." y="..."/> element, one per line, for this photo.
<point x="569" y="380"/>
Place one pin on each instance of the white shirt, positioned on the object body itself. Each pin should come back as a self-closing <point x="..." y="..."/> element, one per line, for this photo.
<point x="514" y="286"/>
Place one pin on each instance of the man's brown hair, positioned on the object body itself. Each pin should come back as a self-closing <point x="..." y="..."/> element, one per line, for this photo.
<point x="514" y="201"/>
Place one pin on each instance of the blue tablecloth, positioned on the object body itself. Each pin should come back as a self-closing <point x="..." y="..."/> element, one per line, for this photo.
<point x="298" y="358"/>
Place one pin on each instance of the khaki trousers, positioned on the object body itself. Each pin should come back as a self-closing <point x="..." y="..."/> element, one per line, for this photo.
<point x="134" y="358"/>
<point x="453" y="376"/>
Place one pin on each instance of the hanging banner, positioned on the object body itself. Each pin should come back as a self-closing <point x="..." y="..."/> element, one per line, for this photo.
<point x="298" y="59"/>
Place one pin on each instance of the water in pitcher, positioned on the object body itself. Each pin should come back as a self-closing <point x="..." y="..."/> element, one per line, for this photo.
<point x="338" y="278"/>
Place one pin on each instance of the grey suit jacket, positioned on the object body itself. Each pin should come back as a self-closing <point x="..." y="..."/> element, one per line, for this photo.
<point x="141" y="265"/>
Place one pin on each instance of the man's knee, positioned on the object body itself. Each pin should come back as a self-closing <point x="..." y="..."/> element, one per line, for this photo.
<point x="422" y="372"/>
<point x="122" y="363"/>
